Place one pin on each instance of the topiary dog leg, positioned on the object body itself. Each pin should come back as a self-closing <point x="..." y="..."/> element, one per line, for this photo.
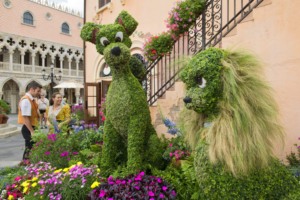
<point x="136" y="143"/>
<point x="111" y="146"/>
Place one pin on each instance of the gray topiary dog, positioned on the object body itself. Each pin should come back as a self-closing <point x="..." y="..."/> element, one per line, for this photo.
<point x="128" y="129"/>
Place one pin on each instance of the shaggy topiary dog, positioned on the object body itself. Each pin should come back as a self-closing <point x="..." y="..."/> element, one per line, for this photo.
<point x="232" y="122"/>
<point x="128" y="131"/>
<point x="240" y="113"/>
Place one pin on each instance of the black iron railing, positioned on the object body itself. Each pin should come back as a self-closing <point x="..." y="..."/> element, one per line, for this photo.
<point x="217" y="20"/>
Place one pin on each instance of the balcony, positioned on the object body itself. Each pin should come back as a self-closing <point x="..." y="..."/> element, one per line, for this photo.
<point x="36" y="70"/>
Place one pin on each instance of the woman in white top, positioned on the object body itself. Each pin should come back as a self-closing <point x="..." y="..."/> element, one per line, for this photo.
<point x="43" y="103"/>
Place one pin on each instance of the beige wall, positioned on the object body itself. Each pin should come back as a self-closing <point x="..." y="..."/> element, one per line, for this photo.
<point x="50" y="30"/>
<point x="273" y="35"/>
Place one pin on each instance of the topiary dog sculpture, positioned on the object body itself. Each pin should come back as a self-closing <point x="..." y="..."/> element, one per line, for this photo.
<point x="240" y="112"/>
<point x="128" y="128"/>
<point x="238" y="122"/>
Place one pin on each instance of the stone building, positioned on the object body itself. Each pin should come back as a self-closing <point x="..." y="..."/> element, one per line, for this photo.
<point x="34" y="35"/>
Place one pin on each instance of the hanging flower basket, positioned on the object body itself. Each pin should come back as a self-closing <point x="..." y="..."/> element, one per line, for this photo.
<point x="158" y="46"/>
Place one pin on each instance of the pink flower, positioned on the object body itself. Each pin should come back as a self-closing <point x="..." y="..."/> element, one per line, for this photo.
<point x="151" y="194"/>
<point x="102" y="193"/>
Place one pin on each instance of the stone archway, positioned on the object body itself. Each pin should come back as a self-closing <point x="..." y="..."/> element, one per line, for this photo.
<point x="11" y="94"/>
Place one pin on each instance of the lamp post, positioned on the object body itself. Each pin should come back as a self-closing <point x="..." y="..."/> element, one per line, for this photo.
<point x="51" y="76"/>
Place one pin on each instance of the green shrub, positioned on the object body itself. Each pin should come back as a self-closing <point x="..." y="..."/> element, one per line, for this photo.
<point x="294" y="158"/>
<point x="4" y="107"/>
<point x="183" y="179"/>
<point x="137" y="68"/>
<point x="8" y="174"/>
<point x="274" y="182"/>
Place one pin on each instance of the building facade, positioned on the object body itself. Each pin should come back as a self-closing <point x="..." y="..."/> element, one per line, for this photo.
<point x="270" y="31"/>
<point x="34" y="35"/>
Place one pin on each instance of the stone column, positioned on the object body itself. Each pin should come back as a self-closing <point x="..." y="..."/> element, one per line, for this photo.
<point x="61" y="66"/>
<point x="43" y="60"/>
<point x="22" y="60"/>
<point x="33" y="61"/>
<point x="77" y="94"/>
<point x="77" y="68"/>
<point x="70" y="62"/>
<point x="11" y="60"/>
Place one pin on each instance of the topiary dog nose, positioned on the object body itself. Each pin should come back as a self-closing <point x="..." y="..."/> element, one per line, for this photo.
<point x="116" y="51"/>
<point x="187" y="100"/>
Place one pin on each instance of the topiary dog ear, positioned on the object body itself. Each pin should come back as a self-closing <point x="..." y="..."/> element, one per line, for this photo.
<point x="89" y="32"/>
<point x="127" y="21"/>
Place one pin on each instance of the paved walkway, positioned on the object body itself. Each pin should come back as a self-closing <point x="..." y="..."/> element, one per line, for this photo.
<point x="12" y="148"/>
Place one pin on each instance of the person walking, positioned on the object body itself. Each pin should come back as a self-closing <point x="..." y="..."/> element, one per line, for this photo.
<point x="43" y="103"/>
<point x="28" y="115"/>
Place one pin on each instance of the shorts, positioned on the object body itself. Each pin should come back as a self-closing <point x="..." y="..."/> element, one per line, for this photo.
<point x="42" y="111"/>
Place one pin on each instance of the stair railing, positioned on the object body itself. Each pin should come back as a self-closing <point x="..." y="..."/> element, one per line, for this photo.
<point x="217" y="20"/>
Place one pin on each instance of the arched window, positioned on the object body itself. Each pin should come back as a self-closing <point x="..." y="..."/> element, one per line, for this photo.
<point x="65" y="28"/>
<point x="27" y="18"/>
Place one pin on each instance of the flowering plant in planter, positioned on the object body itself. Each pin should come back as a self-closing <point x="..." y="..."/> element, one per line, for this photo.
<point x="157" y="46"/>
<point x="183" y="15"/>
<point x="177" y="150"/>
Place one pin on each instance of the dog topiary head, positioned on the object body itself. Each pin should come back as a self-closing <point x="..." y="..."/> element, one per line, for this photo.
<point x="112" y="40"/>
<point x="227" y="87"/>
<point x="202" y="77"/>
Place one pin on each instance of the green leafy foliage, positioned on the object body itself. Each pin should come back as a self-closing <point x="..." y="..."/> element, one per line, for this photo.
<point x="59" y="149"/>
<point x="137" y="68"/>
<point x="4" y="107"/>
<point x="182" y="178"/>
<point x="273" y="182"/>
<point x="294" y="158"/>
<point x="8" y="174"/>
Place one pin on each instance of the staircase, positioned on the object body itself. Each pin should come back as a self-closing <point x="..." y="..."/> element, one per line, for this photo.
<point x="7" y="130"/>
<point x="221" y="22"/>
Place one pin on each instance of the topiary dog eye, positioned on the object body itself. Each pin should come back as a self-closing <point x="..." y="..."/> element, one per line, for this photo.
<point x="201" y="81"/>
<point x="119" y="37"/>
<point x="104" y="41"/>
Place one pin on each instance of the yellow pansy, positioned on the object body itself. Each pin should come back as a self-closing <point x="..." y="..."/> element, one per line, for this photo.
<point x="79" y="163"/>
<point x="25" y="184"/>
<point x="34" y="179"/>
<point x="25" y="190"/>
<point x="10" y="197"/>
<point x="34" y="184"/>
<point x="98" y="170"/>
<point x="95" y="184"/>
<point x="66" y="169"/>
<point x="57" y="171"/>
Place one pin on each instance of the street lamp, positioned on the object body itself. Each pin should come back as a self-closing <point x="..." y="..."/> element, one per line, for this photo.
<point x="51" y="76"/>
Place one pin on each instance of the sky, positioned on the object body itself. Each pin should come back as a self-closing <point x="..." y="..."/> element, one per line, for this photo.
<point x="77" y="5"/>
